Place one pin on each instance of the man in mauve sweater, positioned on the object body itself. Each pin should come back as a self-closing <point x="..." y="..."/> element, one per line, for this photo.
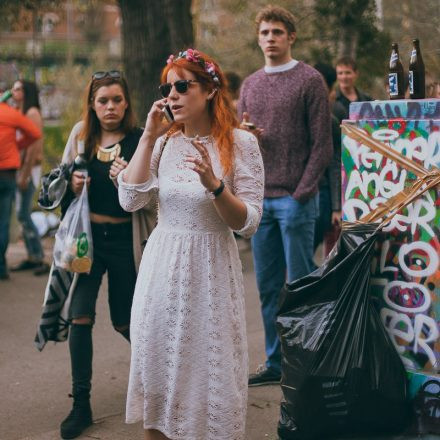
<point x="11" y="120"/>
<point x="287" y="101"/>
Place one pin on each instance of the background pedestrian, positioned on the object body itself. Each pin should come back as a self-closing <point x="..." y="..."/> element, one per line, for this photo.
<point x="287" y="102"/>
<point x="16" y="132"/>
<point x="25" y="96"/>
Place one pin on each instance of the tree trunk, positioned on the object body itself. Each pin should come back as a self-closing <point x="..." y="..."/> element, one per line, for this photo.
<point x="151" y="31"/>
<point x="348" y="42"/>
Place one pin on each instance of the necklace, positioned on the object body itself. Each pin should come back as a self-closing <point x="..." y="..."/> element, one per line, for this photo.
<point x="108" y="154"/>
<point x="202" y="139"/>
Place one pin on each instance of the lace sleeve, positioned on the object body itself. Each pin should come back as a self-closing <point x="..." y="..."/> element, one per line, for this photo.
<point x="134" y="196"/>
<point x="248" y="182"/>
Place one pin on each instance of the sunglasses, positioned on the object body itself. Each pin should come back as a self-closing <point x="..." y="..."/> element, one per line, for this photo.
<point x="110" y="73"/>
<point x="181" y="86"/>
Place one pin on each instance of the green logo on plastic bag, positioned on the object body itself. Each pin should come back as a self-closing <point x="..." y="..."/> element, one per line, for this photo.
<point x="82" y="245"/>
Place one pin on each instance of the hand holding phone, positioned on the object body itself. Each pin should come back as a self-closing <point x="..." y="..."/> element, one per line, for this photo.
<point x="168" y="113"/>
<point x="246" y="123"/>
<point x="249" y="125"/>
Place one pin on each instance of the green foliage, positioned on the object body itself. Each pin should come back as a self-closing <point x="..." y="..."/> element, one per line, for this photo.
<point x="372" y="58"/>
<point x="73" y="80"/>
<point x="326" y="29"/>
<point x="10" y="10"/>
<point x="350" y="28"/>
<point x="55" y="139"/>
<point x="343" y="12"/>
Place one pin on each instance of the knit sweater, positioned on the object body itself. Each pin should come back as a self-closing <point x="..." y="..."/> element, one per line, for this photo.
<point x="293" y="109"/>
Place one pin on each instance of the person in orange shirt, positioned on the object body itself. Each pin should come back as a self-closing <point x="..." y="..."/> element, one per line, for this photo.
<point x="11" y="120"/>
<point x="25" y="96"/>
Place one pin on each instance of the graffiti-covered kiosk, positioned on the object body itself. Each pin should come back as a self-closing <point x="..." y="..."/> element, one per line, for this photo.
<point x="405" y="270"/>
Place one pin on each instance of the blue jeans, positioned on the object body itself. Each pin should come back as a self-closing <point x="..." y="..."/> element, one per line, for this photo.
<point x="30" y="233"/>
<point x="7" y="194"/>
<point x="282" y="246"/>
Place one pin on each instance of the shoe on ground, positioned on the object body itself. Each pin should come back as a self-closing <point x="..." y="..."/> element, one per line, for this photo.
<point x="26" y="265"/>
<point x="77" y="421"/>
<point x="264" y="376"/>
<point x="42" y="269"/>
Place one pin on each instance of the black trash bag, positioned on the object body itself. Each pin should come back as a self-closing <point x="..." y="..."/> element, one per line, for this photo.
<point x="341" y="374"/>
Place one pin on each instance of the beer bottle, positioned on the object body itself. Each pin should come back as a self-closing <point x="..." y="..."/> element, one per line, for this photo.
<point x="396" y="78"/>
<point x="80" y="162"/>
<point x="416" y="73"/>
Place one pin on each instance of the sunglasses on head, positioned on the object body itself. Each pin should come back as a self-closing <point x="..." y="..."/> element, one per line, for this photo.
<point x="181" y="86"/>
<point x="110" y="73"/>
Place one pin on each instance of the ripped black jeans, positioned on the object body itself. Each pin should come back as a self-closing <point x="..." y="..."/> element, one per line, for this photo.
<point x="112" y="253"/>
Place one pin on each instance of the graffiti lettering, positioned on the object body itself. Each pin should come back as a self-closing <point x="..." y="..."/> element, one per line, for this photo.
<point x="407" y="297"/>
<point x="401" y="326"/>
<point x="425" y="151"/>
<point x="385" y="135"/>
<point x="382" y="186"/>
<point x="419" y="214"/>
<point x="412" y="109"/>
<point x="432" y="262"/>
<point x="383" y="258"/>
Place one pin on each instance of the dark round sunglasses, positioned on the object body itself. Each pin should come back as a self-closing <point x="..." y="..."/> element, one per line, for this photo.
<point x="110" y="73"/>
<point x="181" y="86"/>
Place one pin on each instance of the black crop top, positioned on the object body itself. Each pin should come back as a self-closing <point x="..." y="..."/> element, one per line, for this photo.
<point x="103" y="195"/>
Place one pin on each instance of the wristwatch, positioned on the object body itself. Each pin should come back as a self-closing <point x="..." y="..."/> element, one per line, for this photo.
<point x="213" y="194"/>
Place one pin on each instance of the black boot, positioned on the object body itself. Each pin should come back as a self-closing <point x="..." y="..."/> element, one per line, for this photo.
<point x="78" y="420"/>
<point x="81" y="353"/>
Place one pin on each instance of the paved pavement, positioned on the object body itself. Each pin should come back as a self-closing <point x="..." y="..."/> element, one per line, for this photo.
<point x="34" y="385"/>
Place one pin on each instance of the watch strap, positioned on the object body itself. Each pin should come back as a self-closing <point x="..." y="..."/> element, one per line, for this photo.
<point x="219" y="190"/>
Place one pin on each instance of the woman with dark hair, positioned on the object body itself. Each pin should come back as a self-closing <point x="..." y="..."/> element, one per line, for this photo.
<point x="188" y="374"/>
<point x="25" y="95"/>
<point x="107" y="131"/>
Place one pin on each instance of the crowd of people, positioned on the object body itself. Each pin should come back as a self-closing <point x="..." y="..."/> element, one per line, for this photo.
<point x="257" y="159"/>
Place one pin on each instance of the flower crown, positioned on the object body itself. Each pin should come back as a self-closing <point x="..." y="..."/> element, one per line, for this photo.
<point x="194" y="56"/>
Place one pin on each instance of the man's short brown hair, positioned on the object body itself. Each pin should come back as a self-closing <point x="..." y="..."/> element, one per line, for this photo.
<point x="276" y="13"/>
<point x="347" y="61"/>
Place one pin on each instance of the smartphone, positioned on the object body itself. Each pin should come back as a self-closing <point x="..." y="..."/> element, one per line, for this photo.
<point x="168" y="113"/>
<point x="249" y="125"/>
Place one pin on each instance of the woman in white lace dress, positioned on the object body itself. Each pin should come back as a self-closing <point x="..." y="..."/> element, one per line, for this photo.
<point x="189" y="363"/>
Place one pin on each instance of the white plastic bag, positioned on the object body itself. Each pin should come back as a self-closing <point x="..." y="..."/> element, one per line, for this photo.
<point x="73" y="250"/>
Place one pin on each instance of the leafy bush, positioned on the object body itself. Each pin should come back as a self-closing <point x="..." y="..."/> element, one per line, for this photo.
<point x="54" y="141"/>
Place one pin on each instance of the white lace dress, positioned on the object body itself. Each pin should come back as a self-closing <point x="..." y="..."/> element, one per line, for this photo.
<point x="189" y="361"/>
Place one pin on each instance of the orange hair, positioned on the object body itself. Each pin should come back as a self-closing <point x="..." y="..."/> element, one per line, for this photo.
<point x="223" y="117"/>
